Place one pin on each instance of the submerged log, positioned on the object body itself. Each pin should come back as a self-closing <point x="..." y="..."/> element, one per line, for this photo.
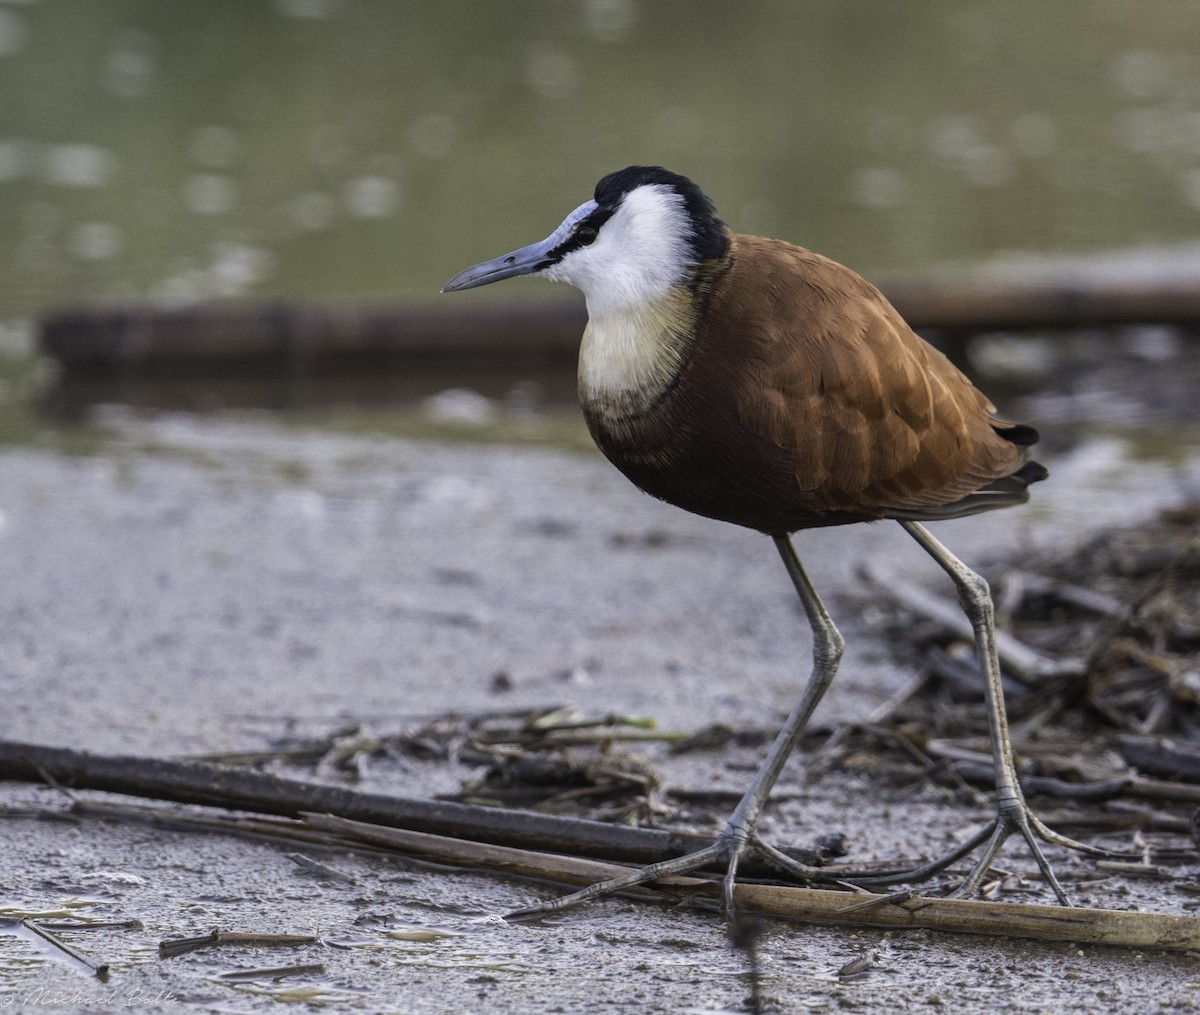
<point x="295" y="336"/>
<point x="977" y="307"/>
<point x="93" y="339"/>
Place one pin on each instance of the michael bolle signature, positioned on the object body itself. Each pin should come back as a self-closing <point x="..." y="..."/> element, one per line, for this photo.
<point x="44" y="997"/>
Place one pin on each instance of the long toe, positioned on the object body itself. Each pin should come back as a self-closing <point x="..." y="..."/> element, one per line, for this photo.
<point x="1011" y="818"/>
<point x="646" y="875"/>
<point x="1048" y="834"/>
<point x="1007" y="822"/>
<point x="909" y="875"/>
<point x="787" y="864"/>
<point x="723" y="848"/>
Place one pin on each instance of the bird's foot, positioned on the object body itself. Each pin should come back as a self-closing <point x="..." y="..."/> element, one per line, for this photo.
<point x="1012" y="816"/>
<point x="730" y="846"/>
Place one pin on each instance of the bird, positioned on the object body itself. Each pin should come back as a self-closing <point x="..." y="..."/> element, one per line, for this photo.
<point x="755" y="382"/>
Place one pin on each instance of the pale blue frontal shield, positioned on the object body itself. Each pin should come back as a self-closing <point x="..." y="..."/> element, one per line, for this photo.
<point x="525" y="261"/>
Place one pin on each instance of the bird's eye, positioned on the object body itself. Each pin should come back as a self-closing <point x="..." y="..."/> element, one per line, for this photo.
<point x="586" y="235"/>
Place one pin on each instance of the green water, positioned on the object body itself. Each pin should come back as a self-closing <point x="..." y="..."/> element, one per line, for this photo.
<point x="173" y="151"/>
<point x="184" y="149"/>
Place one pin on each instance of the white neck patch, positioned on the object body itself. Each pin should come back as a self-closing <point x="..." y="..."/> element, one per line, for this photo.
<point x="628" y="358"/>
<point x="640" y="256"/>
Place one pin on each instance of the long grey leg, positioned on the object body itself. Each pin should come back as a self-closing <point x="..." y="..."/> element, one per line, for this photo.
<point x="828" y="646"/>
<point x="1012" y="812"/>
<point x="739" y="830"/>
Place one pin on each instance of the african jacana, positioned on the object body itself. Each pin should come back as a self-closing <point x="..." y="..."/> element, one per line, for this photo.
<point x="755" y="382"/>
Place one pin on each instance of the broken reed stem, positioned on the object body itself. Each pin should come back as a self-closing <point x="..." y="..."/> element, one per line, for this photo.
<point x="1007" y="919"/>
<point x="274" y="972"/>
<point x="74" y="925"/>
<point x="963" y="916"/>
<point x="182" y="945"/>
<point x="98" y="969"/>
<point x="822" y="906"/>
<point x="205" y="784"/>
<point x="463" y="852"/>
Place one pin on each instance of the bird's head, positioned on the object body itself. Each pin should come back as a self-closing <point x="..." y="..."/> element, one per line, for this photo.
<point x="642" y="235"/>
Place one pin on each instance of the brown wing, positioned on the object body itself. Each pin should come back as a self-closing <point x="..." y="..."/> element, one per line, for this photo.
<point x="878" y="420"/>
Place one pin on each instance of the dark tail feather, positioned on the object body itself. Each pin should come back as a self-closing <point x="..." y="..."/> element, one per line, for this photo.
<point x="1016" y="433"/>
<point x="1031" y="472"/>
<point x="1006" y="491"/>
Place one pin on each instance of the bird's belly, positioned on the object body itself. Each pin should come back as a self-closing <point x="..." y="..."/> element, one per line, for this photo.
<point x="717" y="469"/>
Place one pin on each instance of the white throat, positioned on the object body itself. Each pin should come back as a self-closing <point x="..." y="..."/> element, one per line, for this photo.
<point x="630" y="357"/>
<point x="638" y="308"/>
<point x="641" y="254"/>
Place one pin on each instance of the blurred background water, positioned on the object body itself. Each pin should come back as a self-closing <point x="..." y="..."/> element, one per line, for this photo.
<point x="170" y="151"/>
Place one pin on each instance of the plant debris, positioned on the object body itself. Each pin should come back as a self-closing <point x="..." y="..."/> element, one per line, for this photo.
<point x="1119" y="622"/>
<point x="1101" y="678"/>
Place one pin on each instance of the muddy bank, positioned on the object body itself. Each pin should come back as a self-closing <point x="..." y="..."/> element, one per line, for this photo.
<point x="211" y="585"/>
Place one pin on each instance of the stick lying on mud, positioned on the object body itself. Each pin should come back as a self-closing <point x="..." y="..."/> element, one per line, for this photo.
<point x="202" y="783"/>
<point x="816" y="905"/>
<point x="181" y="945"/>
<point x="820" y="906"/>
<point x="207" y="784"/>
<point x="97" y="969"/>
<point x="196" y="782"/>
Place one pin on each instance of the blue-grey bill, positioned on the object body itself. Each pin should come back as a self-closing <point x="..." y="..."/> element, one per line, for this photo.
<point x="525" y="261"/>
<point x="520" y="262"/>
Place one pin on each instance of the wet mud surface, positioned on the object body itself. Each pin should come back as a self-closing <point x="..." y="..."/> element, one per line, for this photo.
<point x="221" y="585"/>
